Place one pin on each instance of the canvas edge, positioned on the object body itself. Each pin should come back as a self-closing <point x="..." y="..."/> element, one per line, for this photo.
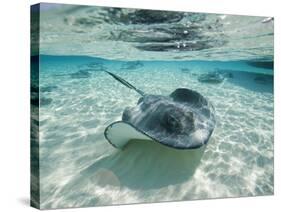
<point x="34" y="106"/>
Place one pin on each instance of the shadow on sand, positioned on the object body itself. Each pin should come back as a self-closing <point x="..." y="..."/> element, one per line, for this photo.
<point x="141" y="165"/>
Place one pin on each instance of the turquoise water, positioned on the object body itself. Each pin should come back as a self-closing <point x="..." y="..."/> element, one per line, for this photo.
<point x="80" y="168"/>
<point x="78" y="100"/>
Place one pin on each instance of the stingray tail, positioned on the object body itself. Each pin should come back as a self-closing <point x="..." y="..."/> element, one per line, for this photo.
<point x="124" y="82"/>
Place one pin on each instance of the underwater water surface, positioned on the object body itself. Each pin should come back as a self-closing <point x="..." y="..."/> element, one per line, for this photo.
<point x="228" y="59"/>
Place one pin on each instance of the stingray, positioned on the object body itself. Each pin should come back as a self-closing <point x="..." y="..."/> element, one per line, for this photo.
<point x="183" y="120"/>
<point x="211" y="77"/>
<point x="132" y="65"/>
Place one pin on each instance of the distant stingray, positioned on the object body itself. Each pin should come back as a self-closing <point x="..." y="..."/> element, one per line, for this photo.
<point x="211" y="77"/>
<point x="77" y="75"/>
<point x="182" y="120"/>
<point x="80" y="74"/>
<point x="132" y="65"/>
<point x="48" y="88"/>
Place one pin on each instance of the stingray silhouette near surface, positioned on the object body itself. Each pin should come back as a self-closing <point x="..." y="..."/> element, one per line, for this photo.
<point x="183" y="120"/>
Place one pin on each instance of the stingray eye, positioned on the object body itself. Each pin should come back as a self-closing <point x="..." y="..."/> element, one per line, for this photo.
<point x="171" y="123"/>
<point x="126" y="114"/>
<point x="140" y="100"/>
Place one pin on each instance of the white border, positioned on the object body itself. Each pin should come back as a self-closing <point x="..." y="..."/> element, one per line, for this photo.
<point x="15" y="102"/>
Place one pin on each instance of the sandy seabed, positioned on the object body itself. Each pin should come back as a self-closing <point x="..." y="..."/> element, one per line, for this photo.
<point x="80" y="168"/>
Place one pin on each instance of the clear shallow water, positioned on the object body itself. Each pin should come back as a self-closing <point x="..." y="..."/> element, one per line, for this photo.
<point x="78" y="167"/>
<point x="157" y="52"/>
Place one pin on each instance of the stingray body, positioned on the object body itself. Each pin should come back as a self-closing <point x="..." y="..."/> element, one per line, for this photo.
<point x="182" y="120"/>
